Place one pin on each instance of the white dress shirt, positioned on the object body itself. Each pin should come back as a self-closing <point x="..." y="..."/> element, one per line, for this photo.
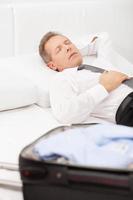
<point x="75" y="96"/>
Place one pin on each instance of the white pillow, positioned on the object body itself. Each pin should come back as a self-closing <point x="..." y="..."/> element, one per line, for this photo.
<point x="15" y="90"/>
<point x="33" y="68"/>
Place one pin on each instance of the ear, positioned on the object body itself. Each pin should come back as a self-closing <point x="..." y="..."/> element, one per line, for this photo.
<point x="52" y="66"/>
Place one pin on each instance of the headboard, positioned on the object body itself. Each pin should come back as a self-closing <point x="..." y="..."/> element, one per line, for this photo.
<point x="25" y="23"/>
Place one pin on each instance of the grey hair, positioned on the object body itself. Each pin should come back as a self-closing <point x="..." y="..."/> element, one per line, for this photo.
<point x="42" y="51"/>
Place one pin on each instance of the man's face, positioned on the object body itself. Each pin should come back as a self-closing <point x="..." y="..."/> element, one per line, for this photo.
<point x="64" y="54"/>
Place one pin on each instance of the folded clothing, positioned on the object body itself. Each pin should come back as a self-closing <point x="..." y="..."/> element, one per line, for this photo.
<point x="102" y="145"/>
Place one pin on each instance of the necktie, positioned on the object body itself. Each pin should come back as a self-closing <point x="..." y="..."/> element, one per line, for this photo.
<point x="128" y="82"/>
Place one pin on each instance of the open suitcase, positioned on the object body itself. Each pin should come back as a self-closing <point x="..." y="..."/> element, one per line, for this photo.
<point x="63" y="181"/>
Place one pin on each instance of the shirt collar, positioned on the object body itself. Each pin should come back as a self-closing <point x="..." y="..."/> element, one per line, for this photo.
<point x="71" y="69"/>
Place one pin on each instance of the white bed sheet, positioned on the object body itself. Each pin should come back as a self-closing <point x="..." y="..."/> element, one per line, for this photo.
<point x="18" y="128"/>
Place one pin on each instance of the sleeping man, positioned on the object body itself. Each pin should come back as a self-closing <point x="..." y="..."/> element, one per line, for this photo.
<point x="75" y="94"/>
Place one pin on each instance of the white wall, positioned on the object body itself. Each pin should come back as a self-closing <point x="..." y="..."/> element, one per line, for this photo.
<point x="6" y="31"/>
<point x="117" y="15"/>
<point x="37" y="1"/>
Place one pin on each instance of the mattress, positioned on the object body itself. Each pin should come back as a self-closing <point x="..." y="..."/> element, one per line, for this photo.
<point x="18" y="128"/>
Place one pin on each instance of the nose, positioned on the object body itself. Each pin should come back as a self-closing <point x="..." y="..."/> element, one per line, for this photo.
<point x="68" y="48"/>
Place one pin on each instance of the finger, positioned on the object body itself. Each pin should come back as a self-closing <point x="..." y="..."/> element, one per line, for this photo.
<point x="105" y="71"/>
<point x="125" y="77"/>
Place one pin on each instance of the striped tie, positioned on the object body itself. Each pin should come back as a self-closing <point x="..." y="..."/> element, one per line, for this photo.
<point x="128" y="82"/>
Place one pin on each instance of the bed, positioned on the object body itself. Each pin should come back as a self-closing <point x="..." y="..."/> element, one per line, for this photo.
<point x="19" y="127"/>
<point x="22" y="121"/>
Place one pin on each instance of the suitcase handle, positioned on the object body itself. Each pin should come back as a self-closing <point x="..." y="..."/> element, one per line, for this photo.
<point x="67" y="175"/>
<point x="99" y="178"/>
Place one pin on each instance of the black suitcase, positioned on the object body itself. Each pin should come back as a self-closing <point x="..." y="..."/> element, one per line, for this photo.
<point x="43" y="180"/>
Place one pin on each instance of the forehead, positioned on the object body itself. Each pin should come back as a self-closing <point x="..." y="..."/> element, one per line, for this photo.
<point x="54" y="41"/>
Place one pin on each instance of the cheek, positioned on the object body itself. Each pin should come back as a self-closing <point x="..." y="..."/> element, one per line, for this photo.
<point x="62" y="56"/>
<point x="60" y="59"/>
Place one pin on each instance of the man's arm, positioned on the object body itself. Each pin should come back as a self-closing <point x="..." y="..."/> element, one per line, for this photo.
<point x="71" y="106"/>
<point x="91" y="48"/>
<point x="98" y="46"/>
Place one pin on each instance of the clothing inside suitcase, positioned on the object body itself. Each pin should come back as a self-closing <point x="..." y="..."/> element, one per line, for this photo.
<point x="61" y="179"/>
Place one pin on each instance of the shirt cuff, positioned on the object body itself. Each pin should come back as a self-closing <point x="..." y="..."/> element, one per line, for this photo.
<point x="98" y="93"/>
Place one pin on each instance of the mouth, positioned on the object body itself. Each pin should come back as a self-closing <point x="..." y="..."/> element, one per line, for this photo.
<point x="72" y="54"/>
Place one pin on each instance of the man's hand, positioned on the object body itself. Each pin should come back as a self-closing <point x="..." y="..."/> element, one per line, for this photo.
<point x="112" y="79"/>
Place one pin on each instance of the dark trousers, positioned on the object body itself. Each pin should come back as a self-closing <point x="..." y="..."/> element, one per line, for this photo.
<point x="124" y="115"/>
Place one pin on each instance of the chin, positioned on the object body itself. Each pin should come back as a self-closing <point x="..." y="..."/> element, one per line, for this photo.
<point x="74" y="63"/>
<point x="79" y="62"/>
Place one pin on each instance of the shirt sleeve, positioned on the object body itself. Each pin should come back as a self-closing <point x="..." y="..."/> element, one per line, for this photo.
<point x="70" y="106"/>
<point x="103" y="45"/>
<point x="90" y="49"/>
<point x="99" y="47"/>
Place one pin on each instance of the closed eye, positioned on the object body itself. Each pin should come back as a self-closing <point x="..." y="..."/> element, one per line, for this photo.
<point x="67" y="42"/>
<point x="58" y="49"/>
